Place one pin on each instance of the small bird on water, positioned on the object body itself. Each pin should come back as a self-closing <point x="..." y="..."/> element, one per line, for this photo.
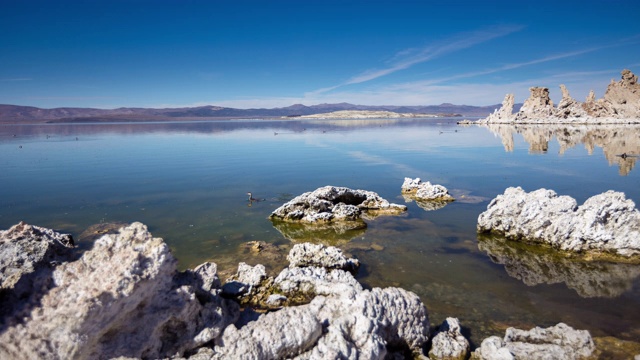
<point x="251" y="198"/>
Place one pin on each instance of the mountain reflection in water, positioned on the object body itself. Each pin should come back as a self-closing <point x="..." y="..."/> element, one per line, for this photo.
<point x="615" y="140"/>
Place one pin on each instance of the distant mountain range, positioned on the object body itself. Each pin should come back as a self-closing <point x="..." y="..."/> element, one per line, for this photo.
<point x="28" y="114"/>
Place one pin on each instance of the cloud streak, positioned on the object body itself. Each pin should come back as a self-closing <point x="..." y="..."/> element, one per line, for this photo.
<point x="410" y="57"/>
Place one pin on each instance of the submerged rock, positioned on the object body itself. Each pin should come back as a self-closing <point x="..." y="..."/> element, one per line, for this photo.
<point x="606" y="225"/>
<point x="556" y="342"/>
<point x="334" y="204"/>
<point x="124" y="297"/>
<point x="333" y="233"/>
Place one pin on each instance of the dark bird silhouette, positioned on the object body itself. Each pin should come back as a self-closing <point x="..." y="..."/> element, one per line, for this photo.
<point x="251" y="198"/>
<point x="625" y="155"/>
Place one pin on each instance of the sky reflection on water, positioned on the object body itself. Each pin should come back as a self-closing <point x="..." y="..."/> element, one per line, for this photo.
<point x="188" y="183"/>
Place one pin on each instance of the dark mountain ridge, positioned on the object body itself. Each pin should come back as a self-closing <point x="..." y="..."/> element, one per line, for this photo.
<point x="30" y="114"/>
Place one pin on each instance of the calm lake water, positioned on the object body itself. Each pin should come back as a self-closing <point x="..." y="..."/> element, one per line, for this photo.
<point x="188" y="183"/>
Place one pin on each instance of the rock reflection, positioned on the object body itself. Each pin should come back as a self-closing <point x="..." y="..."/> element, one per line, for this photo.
<point x="327" y="234"/>
<point x="534" y="265"/>
<point x="426" y="205"/>
<point x="615" y="140"/>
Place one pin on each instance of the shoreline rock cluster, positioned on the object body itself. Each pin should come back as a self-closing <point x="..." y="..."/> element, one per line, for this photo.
<point x="125" y="298"/>
<point x="620" y="105"/>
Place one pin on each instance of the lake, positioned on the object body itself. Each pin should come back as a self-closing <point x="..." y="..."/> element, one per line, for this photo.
<point x="188" y="183"/>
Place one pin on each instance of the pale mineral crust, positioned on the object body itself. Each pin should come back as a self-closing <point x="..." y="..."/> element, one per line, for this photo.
<point x="334" y="204"/>
<point x="123" y="297"/>
<point x="425" y="190"/>
<point x="448" y="342"/>
<point x="557" y="342"/>
<point x="606" y="224"/>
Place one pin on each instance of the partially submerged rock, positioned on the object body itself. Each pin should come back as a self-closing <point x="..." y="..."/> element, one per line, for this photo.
<point x="605" y="226"/>
<point x="330" y="215"/>
<point x="334" y="204"/>
<point x="425" y="190"/>
<point x="556" y="342"/>
<point x="124" y="297"/>
<point x="313" y="270"/>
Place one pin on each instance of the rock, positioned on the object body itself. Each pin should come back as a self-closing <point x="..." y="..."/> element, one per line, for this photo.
<point x="568" y="106"/>
<point x="125" y="298"/>
<point x="622" y="99"/>
<point x="425" y="191"/>
<point x="245" y="280"/>
<point x="556" y="342"/>
<point x="276" y="335"/>
<point x="605" y="226"/>
<point x="318" y="255"/>
<point x="275" y="300"/>
<point x="300" y="285"/>
<point x="28" y="256"/>
<point x="334" y="204"/>
<point x="533" y="267"/>
<point x="505" y="113"/>
<point x="448" y="342"/>
<point x="537" y="106"/>
<point x="620" y="104"/>
<point x="369" y="325"/>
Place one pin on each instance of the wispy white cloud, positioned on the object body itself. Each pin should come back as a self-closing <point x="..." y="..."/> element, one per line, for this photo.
<point x="499" y="69"/>
<point x="410" y="57"/>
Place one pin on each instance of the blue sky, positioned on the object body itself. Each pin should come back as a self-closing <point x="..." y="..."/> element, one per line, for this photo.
<point x="245" y="54"/>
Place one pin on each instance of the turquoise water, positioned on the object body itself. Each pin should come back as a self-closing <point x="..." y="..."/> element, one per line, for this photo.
<point x="188" y="183"/>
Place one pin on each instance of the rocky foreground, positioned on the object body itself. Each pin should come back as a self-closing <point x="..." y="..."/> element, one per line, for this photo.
<point x="125" y="298"/>
<point x="620" y="105"/>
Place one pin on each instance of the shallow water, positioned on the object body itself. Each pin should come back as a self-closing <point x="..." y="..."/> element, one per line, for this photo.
<point x="188" y="183"/>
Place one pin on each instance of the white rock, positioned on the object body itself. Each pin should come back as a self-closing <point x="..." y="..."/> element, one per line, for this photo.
<point x="120" y="299"/>
<point x="556" y="342"/>
<point x="607" y="223"/>
<point x="425" y="190"/>
<point x="331" y="203"/>
<point x="319" y="281"/>
<point x="318" y="255"/>
<point x="333" y="327"/>
<point x="448" y="342"/>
